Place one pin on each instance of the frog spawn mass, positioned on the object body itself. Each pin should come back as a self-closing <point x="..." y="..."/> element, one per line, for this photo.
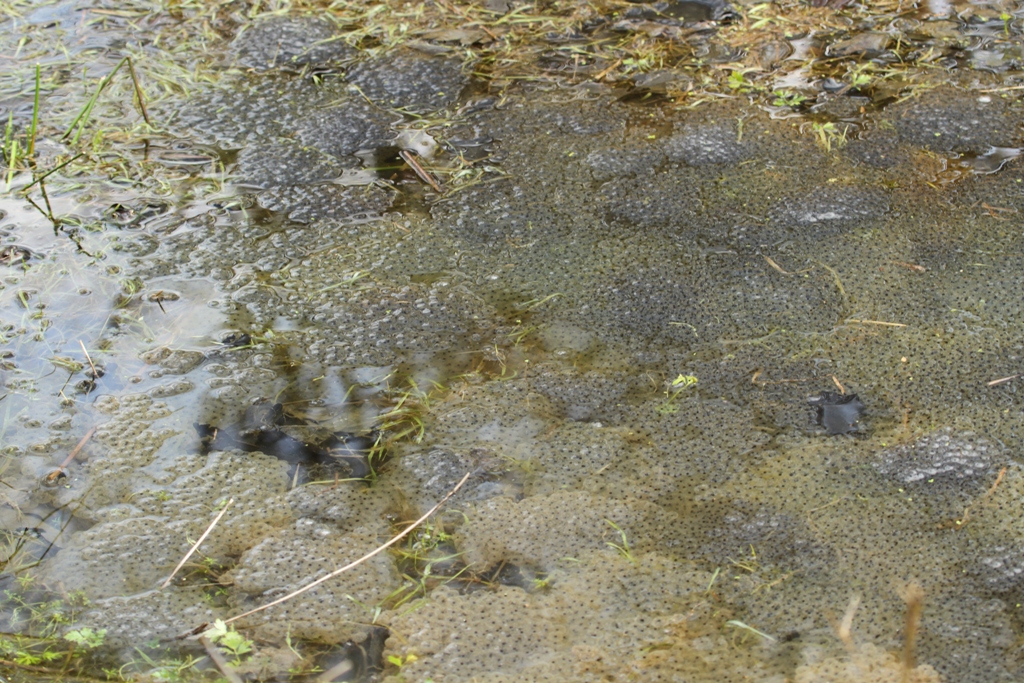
<point x="634" y="245"/>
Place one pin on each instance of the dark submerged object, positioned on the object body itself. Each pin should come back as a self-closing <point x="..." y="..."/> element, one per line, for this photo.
<point x="837" y="413"/>
<point x="12" y="254"/>
<point x="267" y="428"/>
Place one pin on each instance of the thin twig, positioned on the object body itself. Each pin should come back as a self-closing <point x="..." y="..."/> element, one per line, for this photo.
<point x="776" y="266"/>
<point x="913" y="595"/>
<point x="196" y="545"/>
<point x="362" y="559"/>
<point x="40" y="210"/>
<point x="28" y="667"/>
<point x="835" y="500"/>
<point x="424" y="175"/>
<point x="52" y="476"/>
<point x="779" y="268"/>
<point x="874" y="322"/>
<point x="607" y="71"/>
<point x="765" y="382"/>
<point x="46" y="200"/>
<point x="835" y="277"/>
<point x="994" y="211"/>
<point x="1002" y="380"/>
<point x="1007" y="89"/>
<point x="219" y="661"/>
<point x="51" y="172"/>
<point x="95" y="375"/>
<point x="138" y="90"/>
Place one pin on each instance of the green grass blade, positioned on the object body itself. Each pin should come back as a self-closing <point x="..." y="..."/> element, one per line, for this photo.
<point x="51" y="172"/>
<point x="8" y="136"/>
<point x="35" y="118"/>
<point x="83" y="116"/>
<point x="12" y="161"/>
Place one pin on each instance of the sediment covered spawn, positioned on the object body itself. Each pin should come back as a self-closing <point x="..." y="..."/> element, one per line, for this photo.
<point x="613" y="325"/>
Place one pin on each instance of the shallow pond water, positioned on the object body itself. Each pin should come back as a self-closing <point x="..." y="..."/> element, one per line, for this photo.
<point x="734" y="372"/>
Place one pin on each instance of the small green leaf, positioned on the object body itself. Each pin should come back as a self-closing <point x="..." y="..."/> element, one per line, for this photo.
<point x="86" y="637"/>
<point x="236" y="643"/>
<point x="216" y="632"/>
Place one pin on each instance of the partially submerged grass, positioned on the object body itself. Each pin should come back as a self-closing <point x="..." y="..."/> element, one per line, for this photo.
<point x="43" y="643"/>
<point x="559" y="41"/>
<point x="622" y="547"/>
<point x="402" y="419"/>
<point x="746" y="629"/>
<point x="82" y="120"/>
<point x="425" y="560"/>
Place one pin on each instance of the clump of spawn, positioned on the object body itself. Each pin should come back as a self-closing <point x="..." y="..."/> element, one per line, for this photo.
<point x="130" y="619"/>
<point x="681" y="277"/>
<point x="241" y="111"/>
<point x="721" y="527"/>
<point x="950" y="469"/>
<point x="305" y="203"/>
<point x="291" y="43"/>
<point x="785" y="591"/>
<point x="511" y="425"/>
<point x="866" y="664"/>
<point x="150" y="534"/>
<point x="708" y="143"/>
<point x="288" y="163"/>
<point x="780" y="549"/>
<point x="558" y="525"/>
<point x="994" y="520"/>
<point x="945" y="121"/>
<point x="942" y="456"/>
<point x="147" y="510"/>
<point x="832" y="206"/>
<point x="266" y="537"/>
<point x="597" y="616"/>
<point x="549" y="525"/>
<point x="408" y="80"/>
<point x="702" y="475"/>
<point x="296" y="556"/>
<point x="322" y="273"/>
<point x="421" y="479"/>
<point x="640" y="158"/>
<point x="131" y="439"/>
